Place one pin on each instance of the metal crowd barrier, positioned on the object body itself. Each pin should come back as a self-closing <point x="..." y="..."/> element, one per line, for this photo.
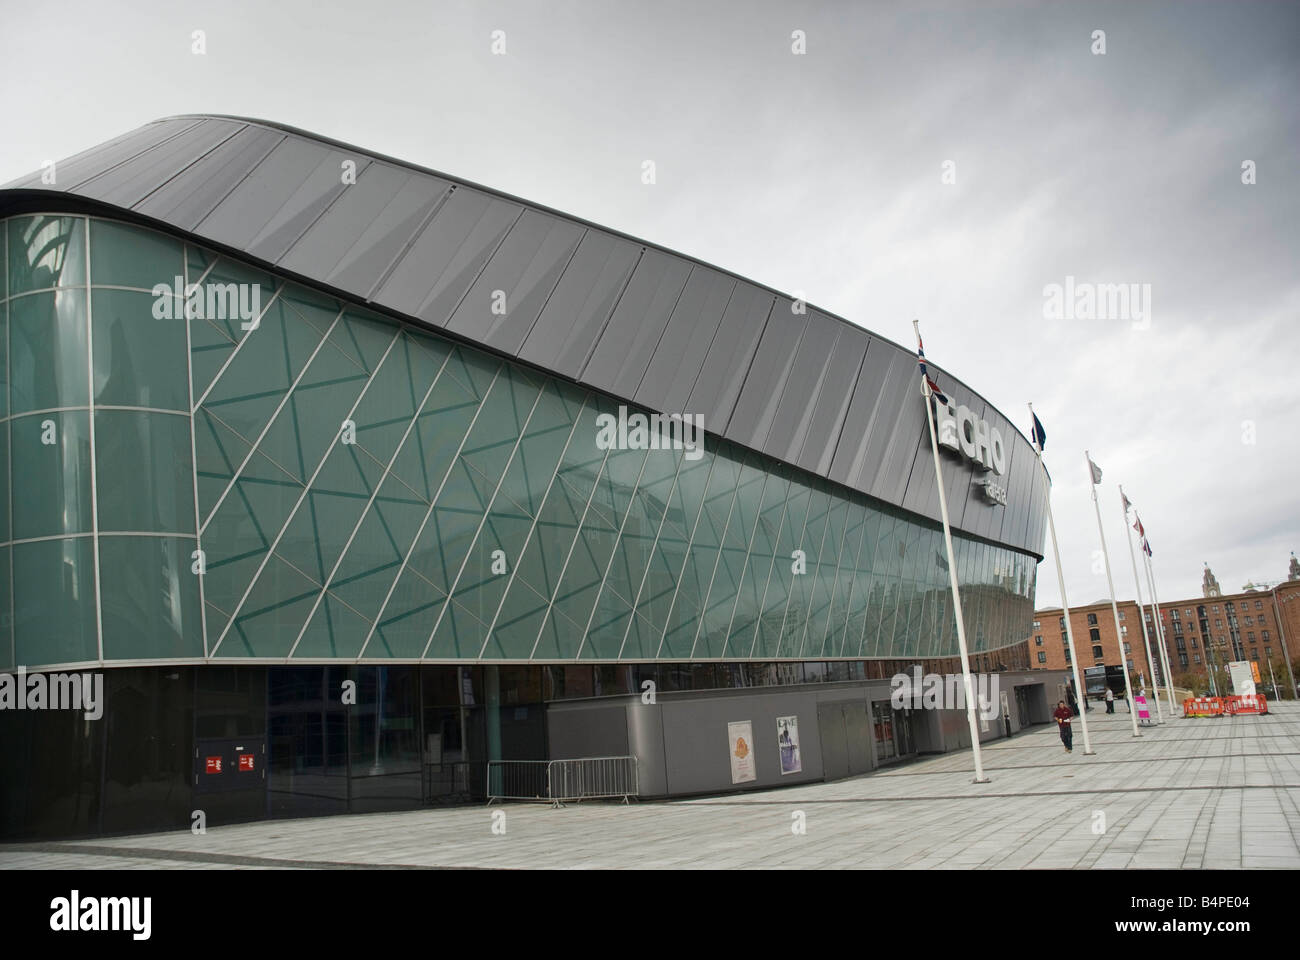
<point x="586" y="778"/>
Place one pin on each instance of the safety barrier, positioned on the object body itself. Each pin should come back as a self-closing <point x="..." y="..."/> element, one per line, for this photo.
<point x="586" y="778"/>
<point x="1253" y="703"/>
<point x="1248" y="703"/>
<point x="1203" y="707"/>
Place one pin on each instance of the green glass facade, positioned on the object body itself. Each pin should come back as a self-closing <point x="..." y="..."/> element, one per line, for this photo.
<point x="333" y="485"/>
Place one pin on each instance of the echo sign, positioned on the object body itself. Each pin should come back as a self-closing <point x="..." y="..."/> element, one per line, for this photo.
<point x="961" y="431"/>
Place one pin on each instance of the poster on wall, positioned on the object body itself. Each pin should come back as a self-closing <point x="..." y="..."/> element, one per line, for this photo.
<point x="741" y="738"/>
<point x="787" y="738"/>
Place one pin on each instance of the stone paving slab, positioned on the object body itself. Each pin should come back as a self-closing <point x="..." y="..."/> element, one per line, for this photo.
<point x="1197" y="793"/>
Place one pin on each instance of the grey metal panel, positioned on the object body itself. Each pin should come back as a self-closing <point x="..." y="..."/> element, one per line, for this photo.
<point x="760" y="394"/>
<point x="900" y="434"/>
<point x="240" y="215"/>
<point x="677" y="359"/>
<point x="321" y="187"/>
<point x="190" y="196"/>
<point x="89" y="163"/>
<point x="871" y="444"/>
<point x="831" y="404"/>
<point x="525" y="269"/>
<point x="368" y="260"/>
<point x="628" y="340"/>
<point x="562" y="336"/>
<point x="726" y="364"/>
<point x="128" y="183"/>
<point x="798" y="397"/>
<point x="340" y="228"/>
<point x="432" y="276"/>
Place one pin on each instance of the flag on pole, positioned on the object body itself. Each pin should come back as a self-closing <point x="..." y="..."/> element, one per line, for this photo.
<point x="1096" y="471"/>
<point x="1128" y="505"/>
<point x="1137" y="525"/>
<point x="920" y="359"/>
<point x="1039" y="434"/>
<point x="1146" y="546"/>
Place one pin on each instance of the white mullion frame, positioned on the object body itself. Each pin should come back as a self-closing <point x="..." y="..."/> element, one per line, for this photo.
<point x="303" y="495"/>
<point x="749" y="550"/>
<point x="338" y="562"/>
<point x="785" y="614"/>
<point x="654" y="547"/>
<point x="848" y="617"/>
<point x="559" y="579"/>
<point x="90" y="416"/>
<point x="690" y="543"/>
<point x="194" y="460"/>
<point x="609" y="565"/>
<point x="252" y="449"/>
<point x="451" y="590"/>
<point x="532" y="529"/>
<point x="433" y="500"/>
<point x="803" y="637"/>
<point x="238" y="346"/>
<point x="776" y="542"/>
<point x="718" y="560"/>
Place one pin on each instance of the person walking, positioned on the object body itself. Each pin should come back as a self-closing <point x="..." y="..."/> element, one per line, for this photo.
<point x="1110" y="700"/>
<point x="1064" y="718"/>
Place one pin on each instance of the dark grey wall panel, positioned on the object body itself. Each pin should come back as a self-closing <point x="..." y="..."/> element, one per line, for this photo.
<point x="677" y="359"/>
<point x="525" y="269"/>
<point x="760" y="394"/>
<point x="798" y="398"/>
<point x="639" y="322"/>
<point x="628" y="340"/>
<point x="128" y="183"/>
<point x="561" y="339"/>
<point x="241" y="215"/>
<point x="430" y="279"/>
<point x="368" y="260"/>
<point x="190" y="196"/>
<point x="328" y="240"/>
<point x="727" y="361"/>
<point x="76" y="170"/>
<point x="830" y="407"/>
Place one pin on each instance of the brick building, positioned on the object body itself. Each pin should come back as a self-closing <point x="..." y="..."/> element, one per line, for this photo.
<point x="1259" y="624"/>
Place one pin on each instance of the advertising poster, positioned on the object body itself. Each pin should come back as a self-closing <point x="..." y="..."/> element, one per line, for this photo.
<point x="787" y="738"/>
<point x="740" y="736"/>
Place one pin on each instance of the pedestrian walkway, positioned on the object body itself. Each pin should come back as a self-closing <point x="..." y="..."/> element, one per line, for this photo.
<point x="1197" y="793"/>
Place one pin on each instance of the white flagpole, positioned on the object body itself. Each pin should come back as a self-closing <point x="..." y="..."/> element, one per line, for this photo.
<point x="1065" y="606"/>
<point x="1137" y="585"/>
<point x="1114" y="608"/>
<point x="952" y="577"/>
<point x="1160" y="623"/>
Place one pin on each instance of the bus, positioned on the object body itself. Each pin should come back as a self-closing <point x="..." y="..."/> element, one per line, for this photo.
<point x="1094" y="682"/>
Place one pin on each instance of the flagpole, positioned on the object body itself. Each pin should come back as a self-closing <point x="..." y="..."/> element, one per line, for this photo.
<point x="1137" y="585"/>
<point x="1114" y="608"/>
<point x="1160" y="623"/>
<point x="1065" y="606"/>
<point x="952" y="573"/>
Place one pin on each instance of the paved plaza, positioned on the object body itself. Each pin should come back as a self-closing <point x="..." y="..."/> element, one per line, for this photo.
<point x="1207" y="793"/>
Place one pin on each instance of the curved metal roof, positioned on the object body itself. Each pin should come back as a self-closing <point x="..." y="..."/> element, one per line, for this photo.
<point x="635" y="320"/>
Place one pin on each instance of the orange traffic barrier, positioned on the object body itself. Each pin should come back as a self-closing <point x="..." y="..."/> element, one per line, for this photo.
<point x="1249" y="703"/>
<point x="1203" y="707"/>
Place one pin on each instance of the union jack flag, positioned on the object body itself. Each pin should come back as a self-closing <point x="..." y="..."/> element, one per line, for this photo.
<point x="920" y="359"/>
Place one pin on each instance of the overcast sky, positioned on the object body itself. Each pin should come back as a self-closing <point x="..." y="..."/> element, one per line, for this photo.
<point x="822" y="173"/>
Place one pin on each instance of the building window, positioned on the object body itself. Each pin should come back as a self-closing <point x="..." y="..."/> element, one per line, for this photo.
<point x="1094" y="635"/>
<point x="1042" y="657"/>
<point x="1196" y="658"/>
<point x="1259" y="605"/>
<point x="1218" y="624"/>
<point x="1038" y="641"/>
<point x="1036" y="625"/>
<point x="1254" y="655"/>
<point x="1250" y="637"/>
<point x="1097" y="653"/>
<point x="1127" y="648"/>
<point x="1265" y="636"/>
<point x="1123" y="631"/>
<point x="1174" y="614"/>
<point x="1092" y="619"/>
<point x="1182" y="660"/>
<point x="1121" y="614"/>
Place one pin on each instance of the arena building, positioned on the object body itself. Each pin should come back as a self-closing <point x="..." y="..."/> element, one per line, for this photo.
<point x="347" y="478"/>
